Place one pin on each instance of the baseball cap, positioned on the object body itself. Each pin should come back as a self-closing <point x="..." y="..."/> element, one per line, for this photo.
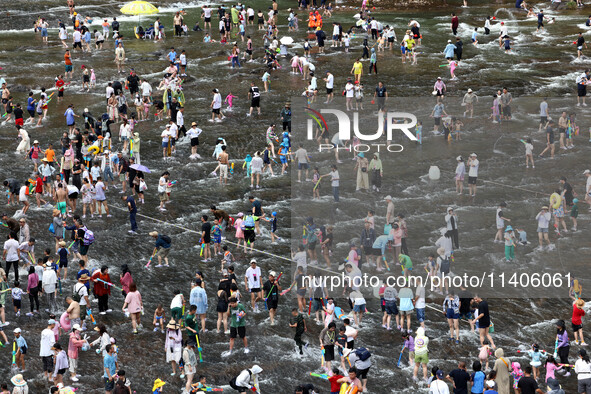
<point x="586" y="172"/>
<point x="439" y="374"/>
<point x="253" y="261"/>
<point x="50" y="322"/>
<point x="273" y="273"/>
<point x="17" y="330"/>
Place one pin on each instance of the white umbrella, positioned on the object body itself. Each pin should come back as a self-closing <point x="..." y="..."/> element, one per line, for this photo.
<point x="286" y="40"/>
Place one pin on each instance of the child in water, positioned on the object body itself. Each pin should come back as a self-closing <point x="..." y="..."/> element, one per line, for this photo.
<point x="316" y="182"/>
<point x="419" y="132"/>
<point x="574" y="213"/>
<point x="517" y="374"/>
<point x="484" y="353"/>
<point x="475" y="37"/>
<point x="536" y="359"/>
<point x="551" y="367"/>
<point x="229" y="99"/>
<point x="529" y="153"/>
<point x="452" y="68"/>
<point x="507" y="42"/>
<point x="159" y="319"/>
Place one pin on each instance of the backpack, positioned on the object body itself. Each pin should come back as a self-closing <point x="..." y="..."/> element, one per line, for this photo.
<point x="166" y="239"/>
<point x="445" y="263"/>
<point x="249" y="221"/>
<point x="88" y="237"/>
<point x="362" y="354"/>
<point x="76" y="294"/>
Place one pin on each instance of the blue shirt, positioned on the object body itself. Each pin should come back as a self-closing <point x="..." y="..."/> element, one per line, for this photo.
<point x="478" y="382"/>
<point x="198" y="298"/>
<point x="30" y="105"/>
<point x="474" y="36"/>
<point x="449" y="50"/>
<point x="69" y="114"/>
<point x="20" y="342"/>
<point x="171" y="56"/>
<point x="381" y="242"/>
<point x="161" y="243"/>
<point x="109" y="363"/>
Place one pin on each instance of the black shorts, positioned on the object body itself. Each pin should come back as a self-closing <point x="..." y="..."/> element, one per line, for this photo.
<point x="255" y="290"/>
<point x="62" y="371"/>
<point x="195" y="141"/>
<point x="86" y="78"/>
<point x="272" y="304"/>
<point x="507" y="111"/>
<point x="251" y="17"/>
<point x="249" y="236"/>
<point x="437" y="121"/>
<point x="216" y="111"/>
<point x="23" y="350"/>
<point x="207" y="20"/>
<point x="249" y="51"/>
<point x="60" y="93"/>
<point x="16" y="303"/>
<point x="328" y="352"/>
<point x="472" y="180"/>
<point x="329" y="91"/>
<point x="4" y="101"/>
<point x="312" y="245"/>
<point x="543" y="119"/>
<point x="78" y="45"/>
<point x="255" y="102"/>
<point x="47" y="363"/>
<point x="576" y="327"/>
<point x="237" y="331"/>
<point x="63" y="264"/>
<point x="31" y="113"/>
<point x="109" y="384"/>
<point x="73" y="196"/>
<point x="362" y="373"/>
<point x="581" y="90"/>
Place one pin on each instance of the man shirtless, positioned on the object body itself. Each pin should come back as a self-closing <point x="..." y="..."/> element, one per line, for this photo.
<point x="73" y="311"/>
<point x="223" y="158"/>
<point x="60" y="196"/>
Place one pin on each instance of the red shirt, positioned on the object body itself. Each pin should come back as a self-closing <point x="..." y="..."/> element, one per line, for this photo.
<point x="101" y="288"/>
<point x="59" y="84"/>
<point x="577" y="315"/>
<point x="334" y="386"/>
<point x="39" y="185"/>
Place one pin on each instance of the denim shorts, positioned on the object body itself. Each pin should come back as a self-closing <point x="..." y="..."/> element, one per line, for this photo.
<point x="420" y="314"/>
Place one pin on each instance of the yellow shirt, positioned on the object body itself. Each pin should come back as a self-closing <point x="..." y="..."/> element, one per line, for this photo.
<point x="357" y="67"/>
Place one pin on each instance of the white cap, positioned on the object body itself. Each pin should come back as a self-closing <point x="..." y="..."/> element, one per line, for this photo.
<point x="17" y="330"/>
<point x="586" y="172"/>
<point x="449" y="209"/>
<point x="449" y="41"/>
<point x="388" y="197"/>
<point x="273" y="273"/>
<point x="469" y="90"/>
<point x="76" y="327"/>
<point x="459" y="158"/>
<point x="86" y="110"/>
<point x="253" y="261"/>
<point x="473" y="155"/>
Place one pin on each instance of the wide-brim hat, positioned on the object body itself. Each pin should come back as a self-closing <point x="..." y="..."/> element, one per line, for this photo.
<point x="172" y="325"/>
<point x="18" y="380"/>
<point x="157" y="384"/>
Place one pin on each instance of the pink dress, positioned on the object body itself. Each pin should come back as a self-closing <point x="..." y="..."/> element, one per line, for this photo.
<point x="238" y="227"/>
<point x="134" y="302"/>
<point x="295" y="61"/>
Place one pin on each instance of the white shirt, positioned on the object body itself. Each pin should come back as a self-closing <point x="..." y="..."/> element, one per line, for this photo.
<point x="177" y="301"/>
<point x="250" y="11"/>
<point x="420" y="303"/>
<point x="194" y="132"/>
<point x="330" y="81"/>
<point x="588" y="184"/>
<point x="180" y="121"/>
<point x="217" y="101"/>
<point x="124" y="130"/>
<point x="146" y="88"/>
<point x="350" y="333"/>
<point x="11" y="247"/>
<point x="80" y="288"/>
<point x="473" y="168"/>
<point x="438" y="387"/>
<point x="543" y="220"/>
<point x="254" y="277"/>
<point x="109" y="91"/>
<point x="583" y="369"/>
<point x="207" y="12"/>
<point x="49" y="280"/>
<point x="47" y="341"/>
<point x="350" y="89"/>
<point x="77" y="36"/>
<point x="63" y="34"/>
<point x="256" y="164"/>
<point x="162" y="185"/>
<point x="183" y="59"/>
